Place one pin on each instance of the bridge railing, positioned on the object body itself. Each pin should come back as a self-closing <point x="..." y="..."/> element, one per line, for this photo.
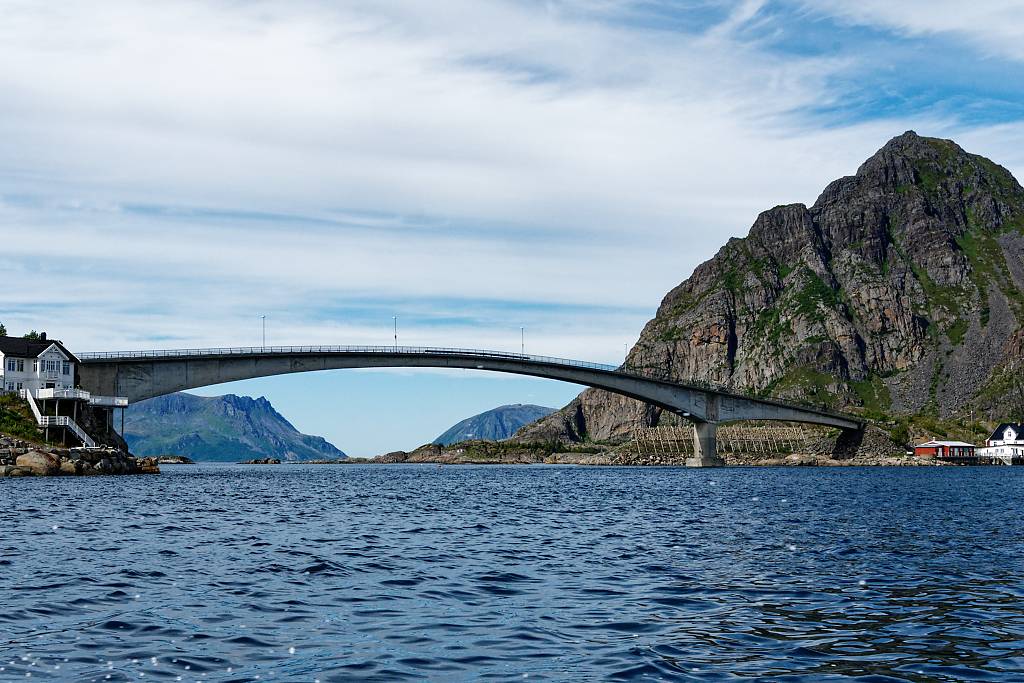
<point x="286" y="350"/>
<point x="437" y="350"/>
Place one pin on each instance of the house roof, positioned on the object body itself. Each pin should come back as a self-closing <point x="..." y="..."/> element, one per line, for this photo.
<point x="997" y="434"/>
<point x="934" y="442"/>
<point x="19" y="347"/>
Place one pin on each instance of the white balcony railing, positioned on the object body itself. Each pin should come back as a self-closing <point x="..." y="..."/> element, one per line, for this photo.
<point x="81" y="395"/>
<point x="73" y="394"/>
<point x="68" y="423"/>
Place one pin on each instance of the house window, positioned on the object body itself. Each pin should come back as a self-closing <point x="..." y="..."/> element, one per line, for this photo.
<point x="51" y="365"/>
<point x="67" y="368"/>
<point x="21" y="365"/>
<point x="10" y="365"/>
<point x="10" y="386"/>
<point x="35" y="366"/>
<point x="20" y="386"/>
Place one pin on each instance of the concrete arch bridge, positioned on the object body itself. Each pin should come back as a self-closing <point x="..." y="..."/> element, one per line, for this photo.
<point x="139" y="375"/>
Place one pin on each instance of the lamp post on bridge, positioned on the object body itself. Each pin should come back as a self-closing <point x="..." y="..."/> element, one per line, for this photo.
<point x="396" y="332"/>
<point x="264" y="347"/>
<point x="522" y="341"/>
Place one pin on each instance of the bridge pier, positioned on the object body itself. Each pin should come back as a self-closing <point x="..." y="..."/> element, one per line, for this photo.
<point x="705" y="446"/>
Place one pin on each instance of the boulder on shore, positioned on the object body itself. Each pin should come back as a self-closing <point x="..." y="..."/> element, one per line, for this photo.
<point x="24" y="459"/>
<point x="41" y="464"/>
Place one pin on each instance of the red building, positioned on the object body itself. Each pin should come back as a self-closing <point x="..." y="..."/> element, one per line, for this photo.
<point x="945" y="449"/>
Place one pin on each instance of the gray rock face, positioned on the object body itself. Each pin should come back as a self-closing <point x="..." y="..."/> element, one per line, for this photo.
<point x="900" y="290"/>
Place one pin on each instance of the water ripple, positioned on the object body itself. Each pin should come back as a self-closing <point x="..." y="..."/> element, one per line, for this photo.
<point x="393" y="573"/>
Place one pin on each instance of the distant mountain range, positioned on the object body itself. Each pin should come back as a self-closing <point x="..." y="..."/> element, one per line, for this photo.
<point x="219" y="429"/>
<point x="493" y="425"/>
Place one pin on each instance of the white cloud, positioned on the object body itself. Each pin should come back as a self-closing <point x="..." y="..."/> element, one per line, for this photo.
<point x="994" y="26"/>
<point x="572" y="161"/>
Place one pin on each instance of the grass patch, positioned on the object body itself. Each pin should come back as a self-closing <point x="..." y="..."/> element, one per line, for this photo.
<point x="874" y="396"/>
<point x="928" y="177"/>
<point x="814" y="295"/>
<point x="807" y="383"/>
<point x="670" y="334"/>
<point x="768" y="327"/>
<point x="16" y="419"/>
<point x="956" y="331"/>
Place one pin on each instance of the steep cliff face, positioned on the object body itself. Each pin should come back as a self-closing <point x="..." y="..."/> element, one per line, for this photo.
<point x="901" y="290"/>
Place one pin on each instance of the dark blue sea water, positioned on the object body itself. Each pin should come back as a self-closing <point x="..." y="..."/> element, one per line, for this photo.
<point x="393" y="573"/>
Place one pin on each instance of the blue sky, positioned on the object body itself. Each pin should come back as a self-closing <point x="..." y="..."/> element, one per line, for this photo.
<point x="172" y="171"/>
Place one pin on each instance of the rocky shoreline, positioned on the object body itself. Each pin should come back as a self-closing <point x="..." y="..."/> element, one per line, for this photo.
<point x="874" y="449"/>
<point x="24" y="459"/>
<point x="613" y="458"/>
<point x="605" y="460"/>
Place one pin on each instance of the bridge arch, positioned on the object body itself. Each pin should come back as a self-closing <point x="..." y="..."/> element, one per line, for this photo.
<point x="138" y="375"/>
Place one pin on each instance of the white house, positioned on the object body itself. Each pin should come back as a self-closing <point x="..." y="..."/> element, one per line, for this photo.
<point x="1007" y="434"/>
<point x="1006" y="443"/>
<point x="35" y="364"/>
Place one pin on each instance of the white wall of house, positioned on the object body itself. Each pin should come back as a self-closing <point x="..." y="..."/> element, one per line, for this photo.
<point x="51" y="369"/>
<point x="995" y="451"/>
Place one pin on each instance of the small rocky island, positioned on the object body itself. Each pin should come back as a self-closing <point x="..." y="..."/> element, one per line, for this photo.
<point x="174" y="460"/>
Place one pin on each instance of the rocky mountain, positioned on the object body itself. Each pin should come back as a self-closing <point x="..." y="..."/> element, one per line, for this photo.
<point x="493" y="425"/>
<point x="220" y="428"/>
<point x="899" y="292"/>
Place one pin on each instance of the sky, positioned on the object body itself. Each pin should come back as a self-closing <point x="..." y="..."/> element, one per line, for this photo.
<point x="483" y="170"/>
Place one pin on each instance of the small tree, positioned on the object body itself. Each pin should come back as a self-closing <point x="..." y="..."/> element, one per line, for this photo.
<point x="33" y="335"/>
<point x="3" y="330"/>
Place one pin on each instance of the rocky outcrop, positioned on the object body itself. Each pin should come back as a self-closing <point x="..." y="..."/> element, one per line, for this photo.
<point x="467" y="452"/>
<point x="23" y="459"/>
<point x="900" y="291"/>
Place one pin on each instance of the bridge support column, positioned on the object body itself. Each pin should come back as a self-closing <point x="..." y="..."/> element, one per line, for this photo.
<point x="705" y="453"/>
